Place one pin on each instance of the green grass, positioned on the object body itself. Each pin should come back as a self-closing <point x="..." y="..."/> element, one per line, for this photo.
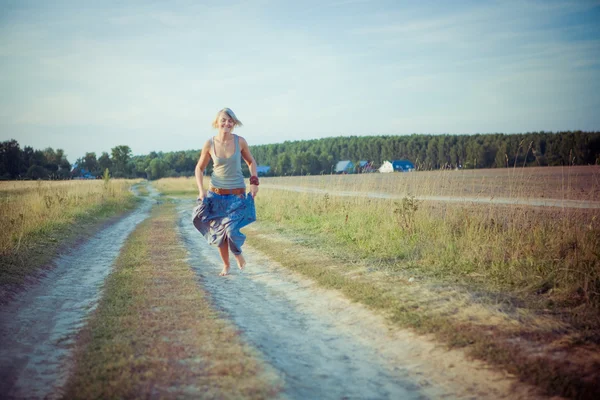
<point x="517" y="249"/>
<point x="142" y="189"/>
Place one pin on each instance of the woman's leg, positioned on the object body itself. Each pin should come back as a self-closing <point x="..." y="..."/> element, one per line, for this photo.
<point x="236" y="239"/>
<point x="241" y="261"/>
<point x="224" y="252"/>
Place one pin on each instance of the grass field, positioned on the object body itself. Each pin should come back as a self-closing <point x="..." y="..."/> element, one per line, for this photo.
<point x="518" y="285"/>
<point x="521" y="249"/>
<point x="507" y="248"/>
<point x="576" y="183"/>
<point x="37" y="216"/>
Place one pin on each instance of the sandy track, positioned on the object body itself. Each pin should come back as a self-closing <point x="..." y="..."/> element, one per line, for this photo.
<point x="560" y="203"/>
<point x="38" y="328"/>
<point x="326" y="347"/>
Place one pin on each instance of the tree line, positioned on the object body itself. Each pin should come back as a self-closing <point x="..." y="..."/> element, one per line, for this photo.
<point x="17" y="163"/>
<point x="319" y="156"/>
<point x="429" y="152"/>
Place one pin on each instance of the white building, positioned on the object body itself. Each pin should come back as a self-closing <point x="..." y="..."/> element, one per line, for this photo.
<point x="386" y="167"/>
<point x="397" y="166"/>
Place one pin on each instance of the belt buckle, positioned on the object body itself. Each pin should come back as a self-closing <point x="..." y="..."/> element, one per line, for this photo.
<point x="222" y="191"/>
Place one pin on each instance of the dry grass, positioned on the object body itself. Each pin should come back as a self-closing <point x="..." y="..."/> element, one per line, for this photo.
<point x="29" y="207"/>
<point x="538" y="347"/>
<point x="510" y="248"/>
<point x="521" y="249"/>
<point x="179" y="186"/>
<point x="37" y="217"/>
<point x="155" y="335"/>
<point x="576" y="183"/>
<point x="518" y="285"/>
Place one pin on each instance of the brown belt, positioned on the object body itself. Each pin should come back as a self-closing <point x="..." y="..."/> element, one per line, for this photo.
<point x="228" y="191"/>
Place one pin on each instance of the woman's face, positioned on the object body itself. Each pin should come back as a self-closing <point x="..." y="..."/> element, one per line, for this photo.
<point x="225" y="123"/>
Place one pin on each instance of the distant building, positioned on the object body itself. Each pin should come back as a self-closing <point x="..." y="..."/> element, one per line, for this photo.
<point x="397" y="166"/>
<point x="403" y="166"/>
<point x="344" y="167"/>
<point x="365" y="167"/>
<point x="83" y="173"/>
<point x="263" y="170"/>
<point x="386" y="167"/>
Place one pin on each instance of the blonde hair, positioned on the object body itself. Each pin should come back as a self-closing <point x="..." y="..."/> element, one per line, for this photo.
<point x="228" y="111"/>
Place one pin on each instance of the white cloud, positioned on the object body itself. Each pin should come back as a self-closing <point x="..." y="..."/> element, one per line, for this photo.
<point x="160" y="73"/>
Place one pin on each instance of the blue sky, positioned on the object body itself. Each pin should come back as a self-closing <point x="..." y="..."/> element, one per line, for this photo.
<point x="85" y="76"/>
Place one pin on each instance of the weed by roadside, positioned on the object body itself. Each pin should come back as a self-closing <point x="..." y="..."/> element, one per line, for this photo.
<point x="503" y="248"/>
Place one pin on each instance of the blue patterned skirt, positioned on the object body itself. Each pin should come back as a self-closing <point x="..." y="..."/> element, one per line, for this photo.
<point x="219" y="217"/>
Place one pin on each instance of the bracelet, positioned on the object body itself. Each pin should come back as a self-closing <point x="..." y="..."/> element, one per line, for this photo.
<point x="254" y="180"/>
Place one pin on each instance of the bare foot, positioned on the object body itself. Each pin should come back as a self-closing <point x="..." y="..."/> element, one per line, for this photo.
<point x="225" y="271"/>
<point x="241" y="261"/>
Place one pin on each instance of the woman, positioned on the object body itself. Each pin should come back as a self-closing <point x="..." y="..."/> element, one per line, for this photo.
<point x="225" y="207"/>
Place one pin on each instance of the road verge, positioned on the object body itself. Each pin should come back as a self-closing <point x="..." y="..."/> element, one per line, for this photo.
<point x="537" y="348"/>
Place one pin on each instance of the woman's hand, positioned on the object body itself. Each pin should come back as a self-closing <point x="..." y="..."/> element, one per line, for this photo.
<point x="201" y="194"/>
<point x="253" y="191"/>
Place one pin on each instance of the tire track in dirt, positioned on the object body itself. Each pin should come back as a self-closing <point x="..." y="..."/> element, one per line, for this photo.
<point x="326" y="347"/>
<point x="38" y="328"/>
<point x="560" y="203"/>
<point x="315" y="360"/>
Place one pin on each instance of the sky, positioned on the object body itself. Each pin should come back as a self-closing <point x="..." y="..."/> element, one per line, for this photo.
<point x="86" y="76"/>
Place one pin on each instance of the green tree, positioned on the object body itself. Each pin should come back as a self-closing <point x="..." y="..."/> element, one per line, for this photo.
<point x="501" y="158"/>
<point x="52" y="162"/>
<point x="142" y="165"/>
<point x="157" y="169"/>
<point x="120" y="158"/>
<point x="10" y="159"/>
<point x="284" y="164"/>
<point x="90" y="164"/>
<point x="37" y="172"/>
<point x="432" y="154"/>
<point x="104" y="162"/>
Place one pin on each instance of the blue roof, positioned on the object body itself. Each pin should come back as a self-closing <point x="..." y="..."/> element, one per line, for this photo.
<point x="402" y="165"/>
<point x="263" y="168"/>
<point x="343" y="165"/>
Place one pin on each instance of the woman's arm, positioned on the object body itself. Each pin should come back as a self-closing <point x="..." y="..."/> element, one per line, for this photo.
<point x="247" y="156"/>
<point x="201" y="167"/>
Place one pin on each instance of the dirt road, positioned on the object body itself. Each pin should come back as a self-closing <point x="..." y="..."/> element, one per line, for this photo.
<point x="320" y="344"/>
<point x="38" y="328"/>
<point x="326" y="347"/>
